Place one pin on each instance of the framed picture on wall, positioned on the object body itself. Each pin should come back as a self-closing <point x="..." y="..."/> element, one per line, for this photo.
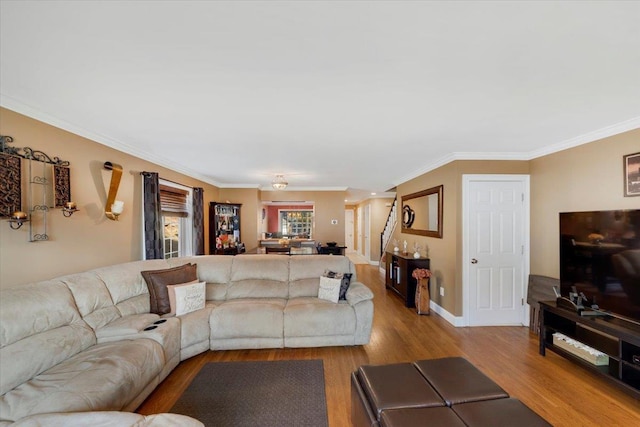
<point x="631" y="174"/>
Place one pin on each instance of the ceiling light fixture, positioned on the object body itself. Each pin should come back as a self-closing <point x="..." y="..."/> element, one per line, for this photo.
<point x="279" y="183"/>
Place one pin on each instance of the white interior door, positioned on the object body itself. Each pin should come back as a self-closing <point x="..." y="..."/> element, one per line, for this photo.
<point x="360" y="237"/>
<point x="367" y="232"/>
<point x="496" y="248"/>
<point x="348" y="230"/>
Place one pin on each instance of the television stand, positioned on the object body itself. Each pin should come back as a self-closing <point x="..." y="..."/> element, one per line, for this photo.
<point x="616" y="337"/>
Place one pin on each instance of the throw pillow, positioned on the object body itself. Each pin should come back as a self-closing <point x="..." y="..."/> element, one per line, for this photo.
<point x="186" y="297"/>
<point x="329" y="288"/>
<point x="157" y="281"/>
<point x="346" y="281"/>
<point x="332" y="274"/>
<point x="344" y="285"/>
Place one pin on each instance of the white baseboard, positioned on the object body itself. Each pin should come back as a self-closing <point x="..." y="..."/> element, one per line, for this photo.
<point x="457" y="321"/>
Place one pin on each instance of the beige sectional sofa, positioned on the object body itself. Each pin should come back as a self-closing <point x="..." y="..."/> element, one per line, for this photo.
<point x="77" y="344"/>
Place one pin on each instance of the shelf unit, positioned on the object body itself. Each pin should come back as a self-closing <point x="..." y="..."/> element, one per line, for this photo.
<point x="224" y="228"/>
<point x="399" y="268"/>
<point x="617" y="337"/>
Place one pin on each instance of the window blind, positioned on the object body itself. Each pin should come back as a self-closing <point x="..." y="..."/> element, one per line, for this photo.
<point x="173" y="201"/>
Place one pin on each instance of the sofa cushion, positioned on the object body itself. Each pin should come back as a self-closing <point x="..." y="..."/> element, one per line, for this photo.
<point x="259" y="276"/>
<point x="92" y="298"/>
<point x="248" y="318"/>
<point x="126" y="285"/>
<point x="165" y="331"/>
<point x="104" y="377"/>
<point x="157" y="281"/>
<point x="213" y="269"/>
<point x="39" y="328"/>
<point x="311" y="316"/>
<point x="305" y="272"/>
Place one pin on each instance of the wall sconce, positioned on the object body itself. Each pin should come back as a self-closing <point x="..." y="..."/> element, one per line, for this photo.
<point x="114" y="207"/>
<point x="17" y="219"/>
<point x="69" y="209"/>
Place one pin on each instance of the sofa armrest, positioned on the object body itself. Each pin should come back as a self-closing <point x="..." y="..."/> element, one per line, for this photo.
<point x="125" y="327"/>
<point x="358" y="292"/>
<point x="107" y="418"/>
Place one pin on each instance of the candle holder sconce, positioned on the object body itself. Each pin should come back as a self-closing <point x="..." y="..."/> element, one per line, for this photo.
<point x="114" y="208"/>
<point x="69" y="209"/>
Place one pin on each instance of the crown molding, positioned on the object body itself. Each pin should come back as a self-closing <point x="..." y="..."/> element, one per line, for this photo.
<point x="245" y="186"/>
<point x="13" y="104"/>
<point x="618" y="128"/>
<point x="20" y="107"/>
<point x="294" y="188"/>
<point x="262" y="187"/>
<point x="586" y="138"/>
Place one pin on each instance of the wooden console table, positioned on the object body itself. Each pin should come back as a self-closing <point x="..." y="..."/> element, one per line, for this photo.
<point x="399" y="268"/>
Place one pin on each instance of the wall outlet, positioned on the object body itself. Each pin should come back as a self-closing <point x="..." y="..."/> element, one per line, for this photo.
<point x="441" y="291"/>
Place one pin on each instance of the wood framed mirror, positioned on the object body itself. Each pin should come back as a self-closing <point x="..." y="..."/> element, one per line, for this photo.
<point x="422" y="212"/>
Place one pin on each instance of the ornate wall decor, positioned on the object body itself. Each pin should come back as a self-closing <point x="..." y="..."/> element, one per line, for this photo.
<point x="62" y="185"/>
<point x="43" y="191"/>
<point x="10" y="188"/>
<point x="29" y="153"/>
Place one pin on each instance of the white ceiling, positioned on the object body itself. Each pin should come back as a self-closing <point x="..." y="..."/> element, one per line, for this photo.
<point x="358" y="95"/>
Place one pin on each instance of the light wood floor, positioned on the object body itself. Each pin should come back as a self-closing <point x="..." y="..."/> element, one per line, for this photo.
<point x="558" y="390"/>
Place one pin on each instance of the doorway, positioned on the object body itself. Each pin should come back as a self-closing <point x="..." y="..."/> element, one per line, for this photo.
<point x="359" y="231"/>
<point x="367" y="232"/>
<point x="349" y="240"/>
<point x="495" y="249"/>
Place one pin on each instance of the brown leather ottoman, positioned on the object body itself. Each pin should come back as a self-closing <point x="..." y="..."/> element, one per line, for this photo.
<point x="418" y="417"/>
<point x="458" y="381"/>
<point x="443" y="392"/>
<point x="499" y="412"/>
<point x="375" y="389"/>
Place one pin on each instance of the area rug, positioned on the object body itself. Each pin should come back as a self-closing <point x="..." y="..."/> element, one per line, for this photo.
<point x="264" y="393"/>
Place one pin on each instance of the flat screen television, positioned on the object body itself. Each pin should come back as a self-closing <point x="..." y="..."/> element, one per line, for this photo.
<point x="600" y="256"/>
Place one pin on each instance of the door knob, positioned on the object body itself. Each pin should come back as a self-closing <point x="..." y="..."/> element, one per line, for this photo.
<point x="474" y="261"/>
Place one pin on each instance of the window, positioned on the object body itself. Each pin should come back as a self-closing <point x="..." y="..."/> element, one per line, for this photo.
<point x="177" y="219"/>
<point x="296" y="223"/>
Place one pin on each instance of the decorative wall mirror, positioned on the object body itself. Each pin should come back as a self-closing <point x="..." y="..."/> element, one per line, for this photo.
<point x="422" y="212"/>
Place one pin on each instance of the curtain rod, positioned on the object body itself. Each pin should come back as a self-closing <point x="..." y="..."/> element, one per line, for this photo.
<point x="168" y="180"/>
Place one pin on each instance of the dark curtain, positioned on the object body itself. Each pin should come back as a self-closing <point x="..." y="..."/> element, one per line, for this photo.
<point x="152" y="218"/>
<point x="198" y="221"/>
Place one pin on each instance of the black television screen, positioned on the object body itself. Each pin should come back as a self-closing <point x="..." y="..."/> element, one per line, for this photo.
<point x="600" y="256"/>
